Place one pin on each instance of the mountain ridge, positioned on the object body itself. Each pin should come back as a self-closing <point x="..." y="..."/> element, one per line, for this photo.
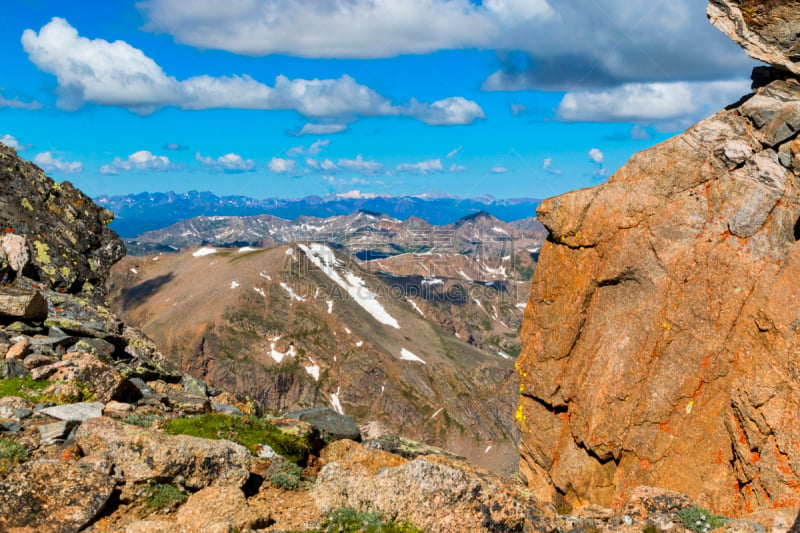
<point x="137" y="213"/>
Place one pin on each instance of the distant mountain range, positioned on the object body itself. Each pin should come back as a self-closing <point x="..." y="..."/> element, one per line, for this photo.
<point x="138" y="213"/>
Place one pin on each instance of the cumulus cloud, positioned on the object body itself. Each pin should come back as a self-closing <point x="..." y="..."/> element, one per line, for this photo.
<point x="620" y="41"/>
<point x="424" y="168"/>
<point x="321" y="129"/>
<point x="143" y="160"/>
<point x="49" y="163"/>
<point x="343" y="29"/>
<point x="451" y="111"/>
<point x="10" y="140"/>
<point x="499" y="170"/>
<point x="282" y="166"/>
<point x="362" y="166"/>
<point x="596" y="155"/>
<point x="230" y="163"/>
<point x="650" y="102"/>
<point x="116" y="74"/>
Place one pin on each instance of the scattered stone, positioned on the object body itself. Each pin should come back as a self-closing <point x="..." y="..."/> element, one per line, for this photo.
<point x="55" y="432"/>
<point x="190" y="405"/>
<point x="406" y="447"/>
<point x="12" y="368"/>
<point x="19" y="349"/>
<point x="647" y="501"/>
<point x="37" y="360"/>
<point x="145" y="455"/>
<point x="14" y="251"/>
<point x="194" y="387"/>
<point x="23" y="328"/>
<point x="215" y="507"/>
<point x="117" y="408"/>
<point x="64" y="392"/>
<point x="19" y="303"/>
<point x="76" y="412"/>
<point x="330" y="424"/>
<point x="52" y="496"/>
<point x="102" y="380"/>
<point x="98" y="348"/>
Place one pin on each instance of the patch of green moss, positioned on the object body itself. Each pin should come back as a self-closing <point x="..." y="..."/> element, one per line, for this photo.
<point x="12" y="453"/>
<point x="27" y="388"/>
<point x="161" y="496"/>
<point x="247" y="431"/>
<point x="348" y="520"/>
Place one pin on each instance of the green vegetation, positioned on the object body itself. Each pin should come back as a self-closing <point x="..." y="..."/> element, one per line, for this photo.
<point x="144" y="421"/>
<point x="24" y="388"/>
<point x="288" y="477"/>
<point x="161" y="496"/>
<point x="249" y="432"/>
<point x="347" y="520"/>
<point x="12" y="453"/>
<point x="700" y="520"/>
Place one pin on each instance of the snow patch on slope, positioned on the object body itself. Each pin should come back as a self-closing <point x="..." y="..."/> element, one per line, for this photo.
<point x="204" y="251"/>
<point x="324" y="259"/>
<point x="335" y="403"/>
<point x="292" y="294"/>
<point x="407" y="355"/>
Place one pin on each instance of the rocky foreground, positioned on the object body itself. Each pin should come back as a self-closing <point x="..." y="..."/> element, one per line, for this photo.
<point x="661" y="335"/>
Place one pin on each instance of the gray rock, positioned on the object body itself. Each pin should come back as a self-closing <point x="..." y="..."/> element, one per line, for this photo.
<point x="54" y="433"/>
<point x="37" y="360"/>
<point x="194" y="386"/>
<point x="225" y="409"/>
<point x="99" y="348"/>
<point x="12" y="368"/>
<point x="330" y="424"/>
<point x="79" y="412"/>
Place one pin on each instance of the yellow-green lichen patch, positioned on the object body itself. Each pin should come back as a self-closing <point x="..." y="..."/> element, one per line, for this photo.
<point x="27" y="204"/>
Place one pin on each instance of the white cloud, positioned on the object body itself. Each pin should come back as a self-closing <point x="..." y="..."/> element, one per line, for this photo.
<point x="597" y="156"/>
<point x="227" y="163"/>
<point x="312" y="150"/>
<point x="620" y="41"/>
<point x="423" y="167"/>
<point x="321" y="129"/>
<point x="499" y="170"/>
<point x="343" y="29"/>
<point x="282" y="166"/>
<point x="651" y="102"/>
<point x="54" y="164"/>
<point x="325" y="165"/>
<point x="16" y="103"/>
<point x="547" y="166"/>
<point x="369" y="168"/>
<point x="10" y="140"/>
<point x="143" y="160"/>
<point x="116" y="74"/>
<point x="454" y="152"/>
<point x="447" y="112"/>
<point x="357" y="194"/>
<point x="518" y="109"/>
<point x="457" y="168"/>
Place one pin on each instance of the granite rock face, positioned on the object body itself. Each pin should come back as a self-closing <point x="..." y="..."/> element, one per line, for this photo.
<point x="766" y="29"/>
<point x="74" y="258"/>
<point x="661" y="337"/>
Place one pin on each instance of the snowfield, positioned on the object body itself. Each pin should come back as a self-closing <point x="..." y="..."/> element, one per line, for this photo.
<point x="407" y="355"/>
<point x="204" y="251"/>
<point x="323" y="258"/>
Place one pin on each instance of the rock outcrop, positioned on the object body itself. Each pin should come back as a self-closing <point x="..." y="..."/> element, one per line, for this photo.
<point x="767" y="30"/>
<point x="661" y="336"/>
<point x="52" y="233"/>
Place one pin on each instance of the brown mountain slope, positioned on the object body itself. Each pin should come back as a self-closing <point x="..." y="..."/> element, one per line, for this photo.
<point x="303" y="329"/>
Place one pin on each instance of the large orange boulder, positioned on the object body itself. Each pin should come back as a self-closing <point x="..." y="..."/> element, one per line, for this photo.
<point x="662" y="337"/>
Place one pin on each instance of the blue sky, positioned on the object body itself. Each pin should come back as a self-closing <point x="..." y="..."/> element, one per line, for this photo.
<point x="513" y="98"/>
